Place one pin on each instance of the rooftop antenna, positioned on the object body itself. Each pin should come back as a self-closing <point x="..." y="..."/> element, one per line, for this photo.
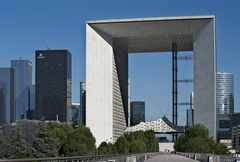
<point x="48" y="44"/>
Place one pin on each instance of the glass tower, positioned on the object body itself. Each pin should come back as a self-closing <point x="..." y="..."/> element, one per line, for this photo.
<point x="75" y="113"/>
<point x="7" y="96"/>
<point x="23" y="71"/>
<point x="137" y="112"/>
<point x="225" y="93"/>
<point x="53" y="85"/>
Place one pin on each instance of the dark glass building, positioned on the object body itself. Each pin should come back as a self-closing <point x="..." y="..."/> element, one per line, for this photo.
<point x="75" y="112"/>
<point x="7" y="96"/>
<point x="224" y="124"/>
<point x="31" y="110"/>
<point x="53" y="85"/>
<point x="23" y="72"/>
<point x="137" y="112"/>
<point x="82" y="112"/>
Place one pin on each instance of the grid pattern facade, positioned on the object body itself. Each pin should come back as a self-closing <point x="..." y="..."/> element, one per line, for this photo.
<point x="224" y="124"/>
<point x="53" y="85"/>
<point x="225" y="93"/>
<point x="236" y="136"/>
<point x="120" y="107"/>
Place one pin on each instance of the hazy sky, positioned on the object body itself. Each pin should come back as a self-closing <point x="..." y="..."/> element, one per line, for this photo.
<point x="26" y="25"/>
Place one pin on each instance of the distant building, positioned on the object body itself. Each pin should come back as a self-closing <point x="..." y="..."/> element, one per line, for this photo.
<point x="190" y="112"/>
<point x="225" y="93"/>
<point x="23" y="72"/>
<point x="32" y="97"/>
<point x="7" y="96"/>
<point x="224" y="124"/>
<point x="137" y="112"/>
<point x="189" y="118"/>
<point x="53" y="85"/>
<point x="236" y="136"/>
<point x="75" y="113"/>
<point x="82" y="112"/>
<point x="31" y="112"/>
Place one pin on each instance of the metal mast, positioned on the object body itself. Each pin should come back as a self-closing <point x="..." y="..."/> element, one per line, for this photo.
<point x="174" y="87"/>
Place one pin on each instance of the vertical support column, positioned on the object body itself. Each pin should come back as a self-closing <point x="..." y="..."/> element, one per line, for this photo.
<point x="174" y="87"/>
<point x="205" y="77"/>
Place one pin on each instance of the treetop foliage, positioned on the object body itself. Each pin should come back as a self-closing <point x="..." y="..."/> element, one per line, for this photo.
<point x="196" y="139"/>
<point x="41" y="140"/>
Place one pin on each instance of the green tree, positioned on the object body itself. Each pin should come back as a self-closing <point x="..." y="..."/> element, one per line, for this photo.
<point x="137" y="142"/>
<point x="122" y="145"/>
<point x="16" y="146"/>
<point x="105" y="148"/>
<point x="45" y="144"/>
<point x="79" y="142"/>
<point x="151" y="141"/>
<point x="60" y="132"/>
<point x="196" y="139"/>
<point x="2" y="145"/>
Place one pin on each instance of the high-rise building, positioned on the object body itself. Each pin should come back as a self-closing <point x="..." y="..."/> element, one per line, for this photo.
<point x="31" y="111"/>
<point x="225" y="93"/>
<point x="82" y="112"/>
<point x="53" y="85"/>
<point x="190" y="112"/>
<point x="137" y="112"/>
<point x="23" y="72"/>
<point x="7" y="96"/>
<point x="189" y="118"/>
<point x="224" y="124"/>
<point x="75" y="113"/>
<point x="32" y="97"/>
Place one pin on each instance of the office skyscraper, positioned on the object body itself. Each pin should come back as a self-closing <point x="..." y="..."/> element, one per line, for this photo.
<point x="190" y="112"/>
<point x="31" y="111"/>
<point x="7" y="96"/>
<point x="75" y="113"/>
<point x="32" y="97"/>
<point x="53" y="85"/>
<point x="225" y="93"/>
<point x="137" y="112"/>
<point x="23" y="72"/>
<point x="82" y="112"/>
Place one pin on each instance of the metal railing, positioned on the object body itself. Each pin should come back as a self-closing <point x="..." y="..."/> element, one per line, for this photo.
<point x="211" y="157"/>
<point x="95" y="158"/>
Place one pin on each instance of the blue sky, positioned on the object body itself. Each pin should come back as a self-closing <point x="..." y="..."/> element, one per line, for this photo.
<point x="26" y="25"/>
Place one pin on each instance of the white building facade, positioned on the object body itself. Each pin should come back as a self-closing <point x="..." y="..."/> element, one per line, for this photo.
<point x="108" y="43"/>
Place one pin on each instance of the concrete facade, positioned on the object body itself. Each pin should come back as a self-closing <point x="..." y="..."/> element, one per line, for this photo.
<point x="108" y="43"/>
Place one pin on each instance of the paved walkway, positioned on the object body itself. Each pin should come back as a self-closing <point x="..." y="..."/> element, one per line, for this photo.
<point x="170" y="158"/>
